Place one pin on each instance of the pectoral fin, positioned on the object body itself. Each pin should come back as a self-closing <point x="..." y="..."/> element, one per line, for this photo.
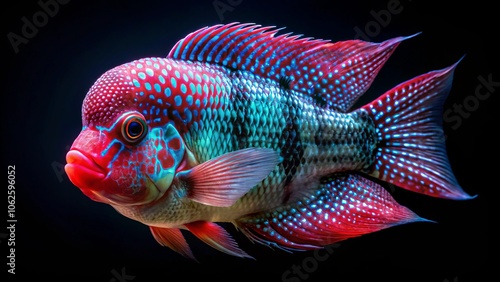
<point x="172" y="238"/>
<point x="223" y="180"/>
<point x="215" y="236"/>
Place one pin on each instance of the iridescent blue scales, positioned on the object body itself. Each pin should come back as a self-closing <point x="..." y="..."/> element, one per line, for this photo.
<point x="239" y="125"/>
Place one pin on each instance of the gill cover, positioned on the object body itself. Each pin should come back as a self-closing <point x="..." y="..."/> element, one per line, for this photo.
<point x="126" y="163"/>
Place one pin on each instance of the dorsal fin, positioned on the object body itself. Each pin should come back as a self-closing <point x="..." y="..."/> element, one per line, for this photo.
<point x="338" y="72"/>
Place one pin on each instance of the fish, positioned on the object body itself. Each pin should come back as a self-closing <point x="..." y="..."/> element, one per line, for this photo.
<point x="242" y="124"/>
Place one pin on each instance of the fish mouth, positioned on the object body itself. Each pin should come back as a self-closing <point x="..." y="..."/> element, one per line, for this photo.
<point x="82" y="170"/>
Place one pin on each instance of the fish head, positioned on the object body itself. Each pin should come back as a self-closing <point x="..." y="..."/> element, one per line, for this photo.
<point x="123" y="155"/>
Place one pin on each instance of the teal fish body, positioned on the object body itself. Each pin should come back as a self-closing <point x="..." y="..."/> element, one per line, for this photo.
<point x="311" y="142"/>
<point x="239" y="125"/>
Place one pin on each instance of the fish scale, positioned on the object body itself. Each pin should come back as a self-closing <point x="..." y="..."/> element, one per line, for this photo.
<point x="329" y="142"/>
<point x="238" y="124"/>
<point x="333" y="141"/>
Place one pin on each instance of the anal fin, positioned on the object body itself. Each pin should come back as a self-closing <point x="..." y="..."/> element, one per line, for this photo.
<point x="342" y="207"/>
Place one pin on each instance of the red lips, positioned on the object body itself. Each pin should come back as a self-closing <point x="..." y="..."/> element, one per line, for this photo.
<point x="83" y="171"/>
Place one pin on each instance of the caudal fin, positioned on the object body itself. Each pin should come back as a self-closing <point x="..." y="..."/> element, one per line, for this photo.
<point x="411" y="153"/>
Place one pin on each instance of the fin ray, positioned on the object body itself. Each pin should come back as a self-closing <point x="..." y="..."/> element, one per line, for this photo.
<point x="172" y="238"/>
<point x="339" y="72"/>
<point x="346" y="206"/>
<point x="223" y="180"/>
<point x="411" y="152"/>
<point x="216" y="237"/>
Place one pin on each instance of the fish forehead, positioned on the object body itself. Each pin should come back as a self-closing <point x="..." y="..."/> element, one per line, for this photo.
<point x="161" y="89"/>
<point x="106" y="97"/>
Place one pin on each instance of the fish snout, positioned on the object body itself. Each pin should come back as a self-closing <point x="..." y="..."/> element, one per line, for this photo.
<point x="83" y="170"/>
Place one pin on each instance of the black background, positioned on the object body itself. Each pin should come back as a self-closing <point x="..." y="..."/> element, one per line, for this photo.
<point x="61" y="235"/>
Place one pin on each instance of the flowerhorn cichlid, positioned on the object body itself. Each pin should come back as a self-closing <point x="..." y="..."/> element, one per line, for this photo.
<point x="239" y="124"/>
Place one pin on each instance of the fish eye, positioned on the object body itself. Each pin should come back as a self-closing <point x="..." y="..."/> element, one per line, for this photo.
<point x="134" y="128"/>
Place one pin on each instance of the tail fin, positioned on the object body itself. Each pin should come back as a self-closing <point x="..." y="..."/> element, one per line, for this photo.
<point x="411" y="152"/>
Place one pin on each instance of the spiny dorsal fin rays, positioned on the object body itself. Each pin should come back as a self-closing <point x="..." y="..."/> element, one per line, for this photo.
<point x="339" y="72"/>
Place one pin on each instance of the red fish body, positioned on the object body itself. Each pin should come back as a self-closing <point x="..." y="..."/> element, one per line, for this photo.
<point x="239" y="125"/>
